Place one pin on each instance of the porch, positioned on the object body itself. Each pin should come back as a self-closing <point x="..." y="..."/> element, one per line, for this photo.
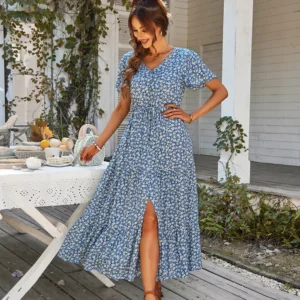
<point x="279" y="179"/>
<point x="67" y="281"/>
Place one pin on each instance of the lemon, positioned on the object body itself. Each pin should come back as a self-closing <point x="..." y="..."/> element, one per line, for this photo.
<point x="45" y="144"/>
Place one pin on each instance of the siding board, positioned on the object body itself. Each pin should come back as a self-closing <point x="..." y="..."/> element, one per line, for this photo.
<point x="205" y="36"/>
<point x="275" y="89"/>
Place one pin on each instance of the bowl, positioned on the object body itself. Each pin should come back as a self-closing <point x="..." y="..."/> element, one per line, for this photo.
<point x="33" y="163"/>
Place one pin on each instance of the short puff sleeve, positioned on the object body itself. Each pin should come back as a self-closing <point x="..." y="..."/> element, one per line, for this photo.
<point x="196" y="73"/>
<point x="122" y="65"/>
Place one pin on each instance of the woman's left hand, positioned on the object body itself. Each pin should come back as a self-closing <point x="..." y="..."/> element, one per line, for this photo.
<point x="176" y="112"/>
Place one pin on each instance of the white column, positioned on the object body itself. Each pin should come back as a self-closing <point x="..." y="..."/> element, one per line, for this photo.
<point x="236" y="76"/>
<point x="2" y="80"/>
<point x="108" y="93"/>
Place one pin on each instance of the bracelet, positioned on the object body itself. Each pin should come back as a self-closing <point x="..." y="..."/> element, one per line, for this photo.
<point x="191" y="118"/>
<point x="94" y="143"/>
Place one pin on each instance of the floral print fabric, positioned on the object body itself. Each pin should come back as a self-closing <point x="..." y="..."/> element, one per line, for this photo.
<point x="154" y="160"/>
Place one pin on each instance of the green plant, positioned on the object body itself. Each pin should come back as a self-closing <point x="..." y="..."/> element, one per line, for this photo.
<point x="229" y="210"/>
<point x="66" y="38"/>
<point x="231" y="138"/>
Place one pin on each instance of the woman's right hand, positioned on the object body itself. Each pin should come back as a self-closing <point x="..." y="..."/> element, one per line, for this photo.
<point x="87" y="153"/>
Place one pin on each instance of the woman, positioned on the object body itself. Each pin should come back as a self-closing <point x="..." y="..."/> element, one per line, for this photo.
<point x="143" y="218"/>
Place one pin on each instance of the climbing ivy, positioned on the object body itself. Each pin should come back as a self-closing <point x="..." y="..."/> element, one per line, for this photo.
<point x="66" y="37"/>
<point x="230" y="137"/>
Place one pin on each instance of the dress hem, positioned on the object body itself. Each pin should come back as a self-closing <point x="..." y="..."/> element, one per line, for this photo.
<point x="179" y="275"/>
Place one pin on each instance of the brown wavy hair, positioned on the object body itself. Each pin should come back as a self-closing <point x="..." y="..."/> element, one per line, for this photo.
<point x="148" y="12"/>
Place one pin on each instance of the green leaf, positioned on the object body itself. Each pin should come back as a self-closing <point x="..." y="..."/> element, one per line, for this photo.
<point x="70" y="42"/>
<point x="70" y="28"/>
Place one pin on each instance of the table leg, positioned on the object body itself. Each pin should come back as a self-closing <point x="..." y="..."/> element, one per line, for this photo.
<point x="24" y="228"/>
<point x="59" y="233"/>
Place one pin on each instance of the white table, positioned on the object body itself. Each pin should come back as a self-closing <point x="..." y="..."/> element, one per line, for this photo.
<point x="48" y="186"/>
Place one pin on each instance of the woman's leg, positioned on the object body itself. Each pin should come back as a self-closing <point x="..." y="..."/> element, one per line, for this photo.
<point x="149" y="249"/>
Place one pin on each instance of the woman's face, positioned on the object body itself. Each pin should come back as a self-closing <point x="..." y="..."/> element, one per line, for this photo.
<point x="141" y="34"/>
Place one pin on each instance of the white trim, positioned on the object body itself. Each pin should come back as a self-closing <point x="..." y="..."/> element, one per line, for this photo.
<point x="118" y="46"/>
<point x="201" y="51"/>
<point x="107" y="89"/>
<point x="2" y="79"/>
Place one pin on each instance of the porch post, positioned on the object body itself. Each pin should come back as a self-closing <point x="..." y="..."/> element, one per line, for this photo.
<point x="236" y="76"/>
<point x="2" y="80"/>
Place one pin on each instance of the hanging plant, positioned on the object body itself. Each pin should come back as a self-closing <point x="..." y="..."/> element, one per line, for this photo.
<point x="66" y="38"/>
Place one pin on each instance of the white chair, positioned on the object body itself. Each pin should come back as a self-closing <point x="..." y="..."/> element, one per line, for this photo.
<point x="19" y="133"/>
<point x="10" y="122"/>
<point x="5" y="131"/>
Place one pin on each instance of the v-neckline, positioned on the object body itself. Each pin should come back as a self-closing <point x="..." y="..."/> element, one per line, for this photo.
<point x="165" y="59"/>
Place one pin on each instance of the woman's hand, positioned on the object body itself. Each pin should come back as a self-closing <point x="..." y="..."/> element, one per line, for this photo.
<point x="176" y="112"/>
<point x="87" y="153"/>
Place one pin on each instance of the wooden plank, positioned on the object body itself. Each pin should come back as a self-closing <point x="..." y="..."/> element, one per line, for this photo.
<point x="167" y="294"/>
<point x="39" y="247"/>
<point x="269" y="293"/>
<point x="24" y="228"/>
<point x="68" y="212"/>
<point x="206" y="288"/>
<point x="50" y="291"/>
<point x="11" y="261"/>
<point x="94" y="285"/>
<point x="72" y="207"/>
<point x="230" y="286"/>
<point x="54" y="274"/>
<point x="129" y="290"/>
<point x="43" y="286"/>
<point x="7" y="282"/>
<point x="2" y="293"/>
<point x="72" y="287"/>
<point x="54" y="213"/>
<point x="22" y="217"/>
<point x="185" y="291"/>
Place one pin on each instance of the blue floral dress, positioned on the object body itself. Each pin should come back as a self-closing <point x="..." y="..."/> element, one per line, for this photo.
<point x="154" y="160"/>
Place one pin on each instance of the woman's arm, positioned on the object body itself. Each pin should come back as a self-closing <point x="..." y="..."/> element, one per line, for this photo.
<point x="219" y="94"/>
<point x="117" y="117"/>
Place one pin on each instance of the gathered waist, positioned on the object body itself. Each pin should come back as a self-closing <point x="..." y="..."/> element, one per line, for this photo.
<point x="149" y="110"/>
<point x="147" y="113"/>
<point x="153" y="115"/>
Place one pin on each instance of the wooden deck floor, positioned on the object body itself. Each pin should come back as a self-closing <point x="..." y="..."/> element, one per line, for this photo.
<point x="279" y="179"/>
<point x="20" y="251"/>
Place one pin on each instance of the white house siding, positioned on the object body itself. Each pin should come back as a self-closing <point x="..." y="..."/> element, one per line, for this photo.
<point x="22" y="86"/>
<point x="205" y="37"/>
<point x="212" y="56"/>
<point x="275" y="99"/>
<point x="123" y="47"/>
<point x="275" y="92"/>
